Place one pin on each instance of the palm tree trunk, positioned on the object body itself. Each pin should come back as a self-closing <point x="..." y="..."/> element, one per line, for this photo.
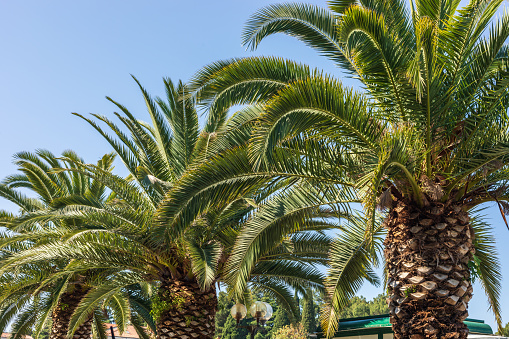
<point x="188" y="313"/>
<point x="427" y="251"/>
<point x="63" y="312"/>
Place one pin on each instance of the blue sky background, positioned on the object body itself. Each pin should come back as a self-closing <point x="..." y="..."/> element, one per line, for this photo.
<point x="60" y="57"/>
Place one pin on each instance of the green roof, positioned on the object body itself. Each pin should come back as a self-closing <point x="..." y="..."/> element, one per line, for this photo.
<point x="380" y="324"/>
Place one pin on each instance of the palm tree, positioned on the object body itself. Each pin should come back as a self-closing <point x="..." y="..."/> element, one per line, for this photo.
<point x="153" y="232"/>
<point x="47" y="293"/>
<point x="426" y="143"/>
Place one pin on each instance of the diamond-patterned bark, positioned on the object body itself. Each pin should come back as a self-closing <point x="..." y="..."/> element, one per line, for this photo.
<point x="63" y="312"/>
<point x="427" y="252"/>
<point x="192" y="311"/>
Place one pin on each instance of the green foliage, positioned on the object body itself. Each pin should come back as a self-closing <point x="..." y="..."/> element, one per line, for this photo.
<point x="410" y="289"/>
<point x="358" y="306"/>
<point x="291" y="331"/>
<point x="162" y="304"/>
<point x="281" y="319"/>
<point x="45" y="175"/>
<point x="165" y="219"/>
<point x="224" y="305"/>
<point x="351" y="265"/>
<point x="230" y="330"/>
<point x="45" y="333"/>
<point x="247" y="200"/>
<point x="298" y="303"/>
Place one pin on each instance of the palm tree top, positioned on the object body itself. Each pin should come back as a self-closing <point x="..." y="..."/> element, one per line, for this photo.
<point x="428" y="125"/>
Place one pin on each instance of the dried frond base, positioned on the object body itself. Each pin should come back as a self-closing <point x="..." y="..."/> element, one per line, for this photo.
<point x="427" y="252"/>
<point x="191" y="311"/>
<point x="62" y="315"/>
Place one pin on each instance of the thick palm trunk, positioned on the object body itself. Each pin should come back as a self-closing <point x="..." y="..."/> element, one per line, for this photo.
<point x="63" y="312"/>
<point x="427" y="251"/>
<point x="188" y="312"/>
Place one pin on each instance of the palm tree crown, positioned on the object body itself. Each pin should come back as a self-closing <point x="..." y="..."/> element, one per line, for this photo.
<point x="43" y="294"/>
<point x="426" y="140"/>
<point x="152" y="231"/>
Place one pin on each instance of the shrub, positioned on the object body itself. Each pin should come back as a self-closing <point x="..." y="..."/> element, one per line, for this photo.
<point x="290" y="332"/>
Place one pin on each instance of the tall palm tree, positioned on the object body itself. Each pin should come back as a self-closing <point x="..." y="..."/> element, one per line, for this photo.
<point x="153" y="232"/>
<point x="35" y="296"/>
<point x="426" y="142"/>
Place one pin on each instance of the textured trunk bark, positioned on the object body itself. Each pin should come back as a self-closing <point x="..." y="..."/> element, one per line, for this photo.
<point x="190" y="312"/>
<point x="63" y="312"/>
<point x="427" y="251"/>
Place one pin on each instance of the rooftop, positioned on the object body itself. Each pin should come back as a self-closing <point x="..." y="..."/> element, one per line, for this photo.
<point x="377" y="325"/>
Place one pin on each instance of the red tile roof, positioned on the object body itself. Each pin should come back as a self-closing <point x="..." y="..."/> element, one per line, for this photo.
<point x="8" y="335"/>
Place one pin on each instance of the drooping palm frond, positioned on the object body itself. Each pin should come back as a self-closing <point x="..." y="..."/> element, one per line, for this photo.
<point x="311" y="24"/>
<point x="352" y="257"/>
<point x="242" y="81"/>
<point x="486" y="265"/>
<point x="319" y="102"/>
<point x="285" y="213"/>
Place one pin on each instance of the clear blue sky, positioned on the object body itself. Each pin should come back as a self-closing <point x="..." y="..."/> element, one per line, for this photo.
<point x="59" y="57"/>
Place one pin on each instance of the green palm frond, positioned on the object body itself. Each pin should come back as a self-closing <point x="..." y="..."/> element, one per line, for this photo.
<point x="286" y="213"/>
<point x="140" y="306"/>
<point x="25" y="320"/>
<point x="311" y="24"/>
<point x="352" y="256"/>
<point x="26" y="203"/>
<point x="161" y="130"/>
<point x="237" y="130"/>
<point x="297" y="275"/>
<point x="110" y="290"/>
<point x="204" y="260"/>
<point x="121" y="310"/>
<point x="10" y="309"/>
<point x="44" y="313"/>
<point x="485" y="264"/>
<point x="98" y="329"/>
<point x="224" y="84"/>
<point x="140" y="330"/>
<point x="320" y="103"/>
<point x="279" y="292"/>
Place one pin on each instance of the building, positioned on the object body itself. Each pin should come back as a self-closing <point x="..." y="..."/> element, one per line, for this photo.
<point x="379" y="327"/>
<point x="8" y="335"/>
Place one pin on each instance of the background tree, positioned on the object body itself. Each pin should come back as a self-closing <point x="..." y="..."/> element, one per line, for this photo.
<point x="231" y="331"/>
<point x="318" y="300"/>
<point x="224" y="305"/>
<point x="308" y="313"/>
<point x="360" y="307"/>
<point x="281" y="319"/>
<point x="504" y="331"/>
<point x="299" y="306"/>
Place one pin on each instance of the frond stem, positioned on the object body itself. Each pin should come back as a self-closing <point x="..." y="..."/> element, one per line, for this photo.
<point x="415" y="187"/>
